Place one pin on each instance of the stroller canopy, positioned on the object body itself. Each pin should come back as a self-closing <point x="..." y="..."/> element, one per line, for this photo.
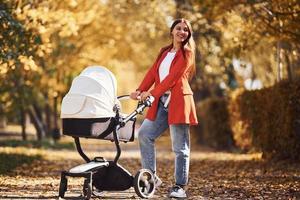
<point x="93" y="94"/>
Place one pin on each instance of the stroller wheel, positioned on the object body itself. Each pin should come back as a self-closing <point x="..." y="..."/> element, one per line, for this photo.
<point x="63" y="187"/>
<point x="87" y="189"/>
<point x="144" y="183"/>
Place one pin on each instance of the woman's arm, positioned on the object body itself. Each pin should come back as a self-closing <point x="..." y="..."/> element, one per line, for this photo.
<point x="148" y="80"/>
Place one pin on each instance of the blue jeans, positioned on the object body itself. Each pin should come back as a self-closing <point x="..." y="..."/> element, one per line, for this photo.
<point x="180" y="136"/>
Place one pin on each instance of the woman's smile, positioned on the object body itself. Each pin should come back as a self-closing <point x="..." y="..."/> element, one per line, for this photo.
<point x="182" y="36"/>
<point x="180" y="32"/>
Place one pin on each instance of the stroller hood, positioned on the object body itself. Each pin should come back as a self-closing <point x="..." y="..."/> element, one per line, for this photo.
<point x="93" y="94"/>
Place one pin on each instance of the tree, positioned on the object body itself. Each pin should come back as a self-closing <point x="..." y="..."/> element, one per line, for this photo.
<point x="263" y="33"/>
<point x="71" y="35"/>
<point x="17" y="47"/>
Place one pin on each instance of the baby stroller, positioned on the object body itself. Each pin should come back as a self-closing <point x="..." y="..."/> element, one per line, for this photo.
<point x="91" y="109"/>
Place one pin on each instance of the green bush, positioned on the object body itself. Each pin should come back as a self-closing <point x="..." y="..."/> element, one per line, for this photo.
<point x="44" y="144"/>
<point x="240" y="125"/>
<point x="213" y="129"/>
<point x="10" y="161"/>
<point x="268" y="120"/>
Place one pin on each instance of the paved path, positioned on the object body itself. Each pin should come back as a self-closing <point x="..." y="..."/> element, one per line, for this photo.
<point x="213" y="175"/>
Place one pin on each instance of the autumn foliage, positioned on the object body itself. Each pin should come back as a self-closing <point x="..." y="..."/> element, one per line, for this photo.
<point x="45" y="44"/>
<point x="214" y="129"/>
<point x="268" y="120"/>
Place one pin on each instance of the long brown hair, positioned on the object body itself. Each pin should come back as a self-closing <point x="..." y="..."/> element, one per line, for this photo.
<point x="189" y="42"/>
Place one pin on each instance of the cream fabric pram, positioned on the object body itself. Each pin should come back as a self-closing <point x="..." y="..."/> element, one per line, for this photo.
<point x="91" y="109"/>
<point x="88" y="109"/>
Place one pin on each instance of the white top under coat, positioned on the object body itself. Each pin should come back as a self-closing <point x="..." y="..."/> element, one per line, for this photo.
<point x="165" y="65"/>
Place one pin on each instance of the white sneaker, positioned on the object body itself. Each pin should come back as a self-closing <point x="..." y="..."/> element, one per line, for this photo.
<point x="177" y="192"/>
<point x="157" y="181"/>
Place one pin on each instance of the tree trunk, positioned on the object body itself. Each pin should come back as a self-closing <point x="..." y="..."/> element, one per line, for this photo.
<point x="2" y="118"/>
<point x="55" y="131"/>
<point x="279" y="62"/>
<point x="23" y="124"/>
<point x="289" y="66"/>
<point x="40" y="130"/>
<point x="48" y="121"/>
<point x="55" y="113"/>
<point x="3" y="122"/>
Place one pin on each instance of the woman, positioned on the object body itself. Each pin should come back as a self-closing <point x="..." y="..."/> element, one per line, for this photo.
<point x="174" y="105"/>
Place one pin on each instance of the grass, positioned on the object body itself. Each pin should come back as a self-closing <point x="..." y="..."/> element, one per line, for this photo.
<point x="8" y="162"/>
<point x="44" y="144"/>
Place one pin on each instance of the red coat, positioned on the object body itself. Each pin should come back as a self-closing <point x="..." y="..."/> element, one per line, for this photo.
<point x="182" y="106"/>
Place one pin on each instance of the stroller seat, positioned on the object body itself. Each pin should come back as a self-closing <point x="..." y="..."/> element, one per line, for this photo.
<point x="98" y="128"/>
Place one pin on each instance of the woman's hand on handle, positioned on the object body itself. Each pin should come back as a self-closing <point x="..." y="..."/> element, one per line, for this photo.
<point x="135" y="95"/>
<point x="144" y="95"/>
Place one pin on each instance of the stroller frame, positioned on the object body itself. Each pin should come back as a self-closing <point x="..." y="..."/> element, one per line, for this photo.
<point x="143" y="182"/>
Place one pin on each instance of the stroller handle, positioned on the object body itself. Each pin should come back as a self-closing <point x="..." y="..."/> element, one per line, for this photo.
<point x="141" y="107"/>
<point x="126" y="97"/>
<point x="149" y="100"/>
